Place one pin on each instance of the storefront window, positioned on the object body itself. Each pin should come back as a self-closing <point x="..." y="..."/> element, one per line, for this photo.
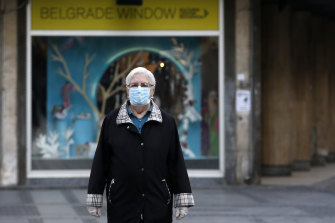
<point x="77" y="80"/>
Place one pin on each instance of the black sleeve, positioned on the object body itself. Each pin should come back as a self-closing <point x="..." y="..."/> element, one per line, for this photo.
<point x="178" y="177"/>
<point x="99" y="170"/>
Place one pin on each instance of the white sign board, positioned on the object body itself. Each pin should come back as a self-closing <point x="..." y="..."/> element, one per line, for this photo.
<point x="243" y="101"/>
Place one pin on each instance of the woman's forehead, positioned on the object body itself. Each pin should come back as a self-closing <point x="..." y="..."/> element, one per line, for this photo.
<point x="139" y="77"/>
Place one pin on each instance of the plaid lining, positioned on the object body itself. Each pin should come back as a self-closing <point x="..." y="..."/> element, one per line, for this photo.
<point x="123" y="116"/>
<point x="94" y="200"/>
<point x="183" y="200"/>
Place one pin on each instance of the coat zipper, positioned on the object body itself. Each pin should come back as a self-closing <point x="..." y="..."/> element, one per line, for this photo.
<point x="168" y="202"/>
<point x="109" y="190"/>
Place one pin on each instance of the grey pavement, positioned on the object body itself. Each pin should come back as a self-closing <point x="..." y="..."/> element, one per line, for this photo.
<point x="239" y="204"/>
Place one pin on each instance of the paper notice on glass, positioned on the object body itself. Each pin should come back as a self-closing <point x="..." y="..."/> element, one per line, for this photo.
<point x="243" y="101"/>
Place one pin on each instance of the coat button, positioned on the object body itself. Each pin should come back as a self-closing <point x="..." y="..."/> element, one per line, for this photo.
<point x="128" y="127"/>
<point x="142" y="143"/>
<point x="143" y="195"/>
<point x="142" y="169"/>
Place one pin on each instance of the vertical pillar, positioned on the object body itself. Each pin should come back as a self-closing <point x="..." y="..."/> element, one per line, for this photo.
<point x="241" y="85"/>
<point x="302" y="74"/>
<point x="9" y="164"/>
<point x="242" y="91"/>
<point x="276" y="91"/>
<point x="320" y="90"/>
<point x="229" y="91"/>
<point x="242" y="68"/>
<point x="255" y="122"/>
<point x="330" y="51"/>
<point x="21" y="91"/>
<point x="2" y="34"/>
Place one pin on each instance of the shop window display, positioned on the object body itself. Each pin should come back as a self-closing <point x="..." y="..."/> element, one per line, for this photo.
<point x="76" y="81"/>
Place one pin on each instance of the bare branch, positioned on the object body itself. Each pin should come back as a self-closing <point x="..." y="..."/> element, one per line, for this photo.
<point x="116" y="71"/>
<point x="60" y="71"/>
<point x="67" y="75"/>
<point x="88" y="60"/>
<point x="55" y="58"/>
<point x="120" y="88"/>
<point x="60" y="58"/>
<point x="131" y="63"/>
<point x="118" y="76"/>
<point x="102" y="89"/>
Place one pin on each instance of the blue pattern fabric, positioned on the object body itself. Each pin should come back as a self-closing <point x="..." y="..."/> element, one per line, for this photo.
<point x="139" y="122"/>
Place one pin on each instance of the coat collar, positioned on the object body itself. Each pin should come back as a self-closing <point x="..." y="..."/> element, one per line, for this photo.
<point x="123" y="116"/>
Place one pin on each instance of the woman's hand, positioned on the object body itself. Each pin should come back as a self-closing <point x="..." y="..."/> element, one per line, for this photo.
<point x="181" y="212"/>
<point x="95" y="211"/>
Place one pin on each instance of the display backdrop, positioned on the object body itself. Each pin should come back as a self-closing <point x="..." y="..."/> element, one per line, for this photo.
<point x="85" y="79"/>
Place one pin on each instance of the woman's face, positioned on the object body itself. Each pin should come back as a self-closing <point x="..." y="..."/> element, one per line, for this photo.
<point x="141" y="79"/>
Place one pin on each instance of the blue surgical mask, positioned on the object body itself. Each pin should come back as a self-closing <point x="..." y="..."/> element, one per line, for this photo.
<point x="139" y="96"/>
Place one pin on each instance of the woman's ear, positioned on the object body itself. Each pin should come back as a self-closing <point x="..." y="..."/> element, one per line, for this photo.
<point x="152" y="91"/>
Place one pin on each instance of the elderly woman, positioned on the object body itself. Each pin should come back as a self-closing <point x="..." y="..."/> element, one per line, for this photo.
<point x="139" y="160"/>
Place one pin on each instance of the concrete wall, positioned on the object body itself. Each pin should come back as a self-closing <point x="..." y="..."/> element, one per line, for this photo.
<point x="242" y="72"/>
<point x="9" y="147"/>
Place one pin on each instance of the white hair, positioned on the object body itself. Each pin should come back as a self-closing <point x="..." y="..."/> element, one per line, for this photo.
<point x="141" y="70"/>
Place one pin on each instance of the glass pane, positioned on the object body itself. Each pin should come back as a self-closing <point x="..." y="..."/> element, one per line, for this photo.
<point x="77" y="80"/>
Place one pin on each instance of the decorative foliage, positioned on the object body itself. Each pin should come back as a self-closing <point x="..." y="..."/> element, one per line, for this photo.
<point x="191" y="65"/>
<point x="68" y="134"/>
<point x="48" y="145"/>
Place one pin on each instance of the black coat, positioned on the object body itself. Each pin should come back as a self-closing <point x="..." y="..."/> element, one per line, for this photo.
<point x="140" y="172"/>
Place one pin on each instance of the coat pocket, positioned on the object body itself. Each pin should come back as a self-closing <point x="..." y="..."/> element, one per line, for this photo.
<point x="167" y="190"/>
<point x="110" y="190"/>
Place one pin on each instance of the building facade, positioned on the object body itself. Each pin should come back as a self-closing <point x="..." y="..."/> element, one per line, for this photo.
<point x="64" y="67"/>
<point x="64" y="63"/>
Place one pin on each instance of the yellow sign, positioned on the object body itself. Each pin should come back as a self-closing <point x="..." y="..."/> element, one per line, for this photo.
<point x="107" y="15"/>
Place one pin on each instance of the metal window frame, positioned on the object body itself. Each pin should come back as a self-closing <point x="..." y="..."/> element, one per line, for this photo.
<point x="199" y="173"/>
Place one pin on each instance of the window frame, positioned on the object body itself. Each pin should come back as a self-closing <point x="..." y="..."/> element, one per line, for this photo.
<point x="199" y="173"/>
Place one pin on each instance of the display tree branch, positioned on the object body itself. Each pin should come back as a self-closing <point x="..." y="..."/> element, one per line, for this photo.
<point x="111" y="89"/>
<point x="65" y="72"/>
<point x="88" y="60"/>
